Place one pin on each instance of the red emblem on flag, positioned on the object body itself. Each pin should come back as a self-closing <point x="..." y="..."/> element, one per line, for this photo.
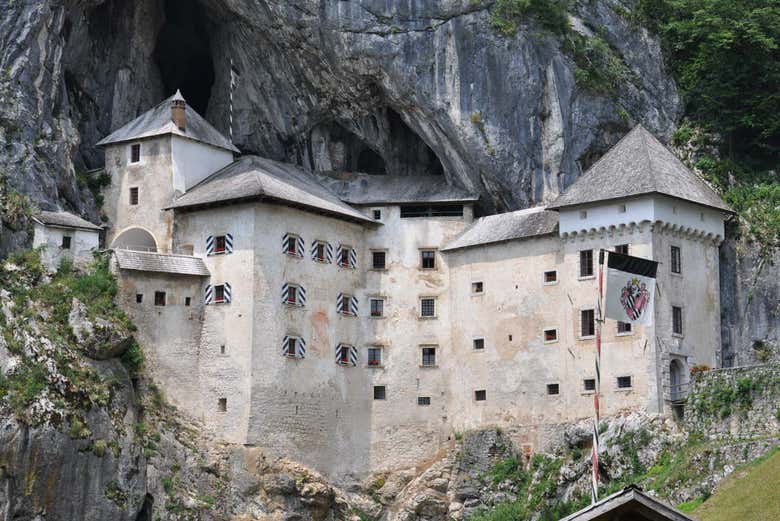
<point x="634" y="298"/>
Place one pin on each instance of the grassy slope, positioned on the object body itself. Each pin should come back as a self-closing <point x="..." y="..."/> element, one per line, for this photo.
<point x="750" y="494"/>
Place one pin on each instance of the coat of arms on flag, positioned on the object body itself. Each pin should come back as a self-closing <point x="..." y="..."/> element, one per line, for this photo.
<point x="630" y="288"/>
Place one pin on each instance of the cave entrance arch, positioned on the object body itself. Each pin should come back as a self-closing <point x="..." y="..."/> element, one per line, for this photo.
<point x="183" y="53"/>
<point x="136" y="239"/>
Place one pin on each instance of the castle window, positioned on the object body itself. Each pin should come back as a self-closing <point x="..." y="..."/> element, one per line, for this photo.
<point x="586" y="263"/>
<point x="159" y="298"/>
<point x="293" y="295"/>
<point x="139" y="298"/>
<point x="346" y="304"/>
<point x="346" y="355"/>
<point x="623" y="328"/>
<point x="553" y="389"/>
<point x="377" y="215"/>
<point x="428" y="356"/>
<point x="677" y="320"/>
<point x="587" y="323"/>
<point x="374" y="356"/>
<point x="222" y="349"/>
<point x="423" y="400"/>
<point x="477" y="288"/>
<point x="187" y="301"/>
<point x="346" y="257"/>
<point x="428" y="307"/>
<point x="480" y="395"/>
<point x="478" y="344"/>
<point x="380" y="393"/>
<point x="218" y="294"/>
<point x="583" y="214"/>
<point x="65" y="245"/>
<point x="550" y="335"/>
<point x="622" y="248"/>
<point x="293" y="347"/>
<point x="292" y="245"/>
<point x="676" y="260"/>
<point x="442" y="210"/>
<point x="135" y="153"/>
<point x="222" y="405"/>
<point x="220" y="244"/>
<point x="379" y="260"/>
<point x="377" y="307"/>
<point x="621" y="208"/>
<point x="589" y="385"/>
<point x="551" y="277"/>
<point x="428" y="259"/>
<point x="321" y="251"/>
<point x="624" y="382"/>
<point x="134" y="195"/>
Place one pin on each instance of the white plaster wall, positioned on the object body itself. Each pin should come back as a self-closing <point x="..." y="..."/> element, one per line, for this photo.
<point x="689" y="216"/>
<point x="194" y="161"/>
<point x="83" y="243"/>
<point x="154" y="179"/>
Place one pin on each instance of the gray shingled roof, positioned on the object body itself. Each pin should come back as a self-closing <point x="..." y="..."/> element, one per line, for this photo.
<point x="629" y="503"/>
<point x="157" y="122"/>
<point x="501" y="227"/>
<point x="161" y="263"/>
<point x="253" y="177"/>
<point x="638" y="164"/>
<point x="363" y="189"/>
<point x="64" y="219"/>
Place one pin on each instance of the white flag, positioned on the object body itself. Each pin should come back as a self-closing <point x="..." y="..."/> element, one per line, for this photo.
<point x="630" y="293"/>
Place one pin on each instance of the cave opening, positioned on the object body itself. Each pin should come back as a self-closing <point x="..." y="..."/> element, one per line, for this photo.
<point x="145" y="514"/>
<point x="370" y="162"/>
<point x="183" y="53"/>
<point x="415" y="156"/>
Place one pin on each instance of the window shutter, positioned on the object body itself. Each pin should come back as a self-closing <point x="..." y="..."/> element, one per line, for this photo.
<point x="339" y="301"/>
<point x="228" y="296"/>
<point x="299" y="249"/>
<point x="329" y="252"/>
<point x="285" y="292"/>
<point x="210" y="245"/>
<point x="338" y="254"/>
<point x="209" y="294"/>
<point x="229" y="243"/>
<point x="339" y="348"/>
<point x="301" y="295"/>
<point x="353" y="356"/>
<point x="284" y="344"/>
<point x="300" y="347"/>
<point x="352" y="258"/>
<point x="353" y="305"/>
<point x="285" y="237"/>
<point x="313" y="251"/>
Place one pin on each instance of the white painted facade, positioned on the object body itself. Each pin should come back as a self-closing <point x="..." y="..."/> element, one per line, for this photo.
<point x="60" y="242"/>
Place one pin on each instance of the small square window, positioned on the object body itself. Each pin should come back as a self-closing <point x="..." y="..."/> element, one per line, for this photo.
<point x="380" y="393"/>
<point x="222" y="405"/>
<point x="428" y="307"/>
<point x="621" y="208"/>
<point x="677" y="320"/>
<point x="586" y="263"/>
<point x="374" y="356"/>
<point x="187" y="301"/>
<point x="65" y="242"/>
<point x="478" y="343"/>
<point x="134" y="195"/>
<point x="344" y="306"/>
<point x="159" y="298"/>
<point x="551" y="277"/>
<point x="429" y="356"/>
<point x="139" y="298"/>
<point x="135" y="153"/>
<point x="428" y="259"/>
<point x="423" y="400"/>
<point x="377" y="307"/>
<point x="219" y="293"/>
<point x="477" y="287"/>
<point x="623" y="327"/>
<point x="587" y="323"/>
<point x="589" y="384"/>
<point x="319" y="252"/>
<point x="219" y="244"/>
<point x="622" y="248"/>
<point x="377" y="215"/>
<point x="480" y="395"/>
<point x="553" y="389"/>
<point x="624" y="382"/>
<point x="291" y="245"/>
<point x="676" y="259"/>
<point x="379" y="260"/>
<point x="583" y="214"/>
<point x="550" y="335"/>
<point x="291" y="347"/>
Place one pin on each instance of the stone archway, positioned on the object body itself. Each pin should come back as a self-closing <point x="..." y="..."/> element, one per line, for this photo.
<point x="135" y="239"/>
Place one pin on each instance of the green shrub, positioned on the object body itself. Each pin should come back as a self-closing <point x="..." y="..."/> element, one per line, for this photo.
<point x="507" y="470"/>
<point x="551" y="15"/>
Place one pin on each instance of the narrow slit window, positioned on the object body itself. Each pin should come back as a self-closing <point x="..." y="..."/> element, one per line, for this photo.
<point x="222" y="405"/>
<point x="139" y="298"/>
<point x="187" y="301"/>
<point x="676" y="260"/>
<point x="377" y="215"/>
<point x="134" y="195"/>
<point x="586" y="263"/>
<point x="677" y="320"/>
<point x="135" y="153"/>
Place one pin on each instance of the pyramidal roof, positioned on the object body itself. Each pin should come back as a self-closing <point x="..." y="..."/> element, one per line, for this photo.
<point x="157" y="122"/>
<point x="638" y="164"/>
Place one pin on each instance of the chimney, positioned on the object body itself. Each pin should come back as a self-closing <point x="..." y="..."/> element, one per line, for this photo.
<point x="178" y="111"/>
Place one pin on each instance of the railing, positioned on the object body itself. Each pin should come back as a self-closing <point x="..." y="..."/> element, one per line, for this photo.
<point x="152" y="249"/>
<point x="679" y="392"/>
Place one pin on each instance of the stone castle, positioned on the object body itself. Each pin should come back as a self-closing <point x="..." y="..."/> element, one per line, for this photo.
<point x="357" y="322"/>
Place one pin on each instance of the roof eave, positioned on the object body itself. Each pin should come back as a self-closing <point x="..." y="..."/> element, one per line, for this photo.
<point x="105" y="142"/>
<point x="499" y="241"/>
<point x="558" y="207"/>
<point x="420" y="201"/>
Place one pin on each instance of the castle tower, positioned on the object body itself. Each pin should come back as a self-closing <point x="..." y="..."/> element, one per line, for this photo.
<point x="157" y="156"/>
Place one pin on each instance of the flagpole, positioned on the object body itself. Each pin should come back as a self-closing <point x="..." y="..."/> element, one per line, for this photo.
<point x="596" y="420"/>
